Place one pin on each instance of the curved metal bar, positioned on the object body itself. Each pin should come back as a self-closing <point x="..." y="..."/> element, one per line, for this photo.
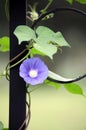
<point x="54" y="11"/>
<point x="58" y="10"/>
<point x="65" y="82"/>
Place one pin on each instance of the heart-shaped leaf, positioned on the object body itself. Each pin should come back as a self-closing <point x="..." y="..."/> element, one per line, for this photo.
<point x="24" y="33"/>
<point x="47" y="35"/>
<point x="47" y="41"/>
<point x="46" y="49"/>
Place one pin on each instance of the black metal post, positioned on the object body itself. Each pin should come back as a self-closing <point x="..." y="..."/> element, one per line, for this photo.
<point x="17" y="105"/>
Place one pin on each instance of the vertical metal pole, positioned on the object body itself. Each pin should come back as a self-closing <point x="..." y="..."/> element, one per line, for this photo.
<point x="17" y="106"/>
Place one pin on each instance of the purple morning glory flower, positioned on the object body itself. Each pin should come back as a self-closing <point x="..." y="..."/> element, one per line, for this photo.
<point x="33" y="71"/>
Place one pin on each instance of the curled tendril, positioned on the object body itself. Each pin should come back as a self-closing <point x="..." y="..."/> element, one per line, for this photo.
<point x="26" y="119"/>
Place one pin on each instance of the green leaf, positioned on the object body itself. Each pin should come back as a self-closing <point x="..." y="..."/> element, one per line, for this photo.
<point x="33" y="52"/>
<point x="53" y="84"/>
<point x="46" y="35"/>
<point x="48" y="41"/>
<point x="59" y="39"/>
<point x="73" y="88"/>
<point x="5" y="129"/>
<point x="70" y="1"/>
<point x="1" y="126"/>
<point x="24" y="33"/>
<point x="47" y="49"/>
<point x="4" y="44"/>
<point x="81" y="1"/>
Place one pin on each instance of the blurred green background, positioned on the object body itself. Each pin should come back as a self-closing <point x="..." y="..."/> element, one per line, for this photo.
<point x="51" y="108"/>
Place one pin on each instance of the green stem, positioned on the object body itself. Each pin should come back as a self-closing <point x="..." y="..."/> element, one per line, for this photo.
<point x="46" y="7"/>
<point x="28" y="116"/>
<point x="7" y="9"/>
<point x="13" y="59"/>
<point x="18" y="62"/>
<point x="29" y="111"/>
<point x="29" y="98"/>
<point x="39" y="86"/>
<point x="27" y="87"/>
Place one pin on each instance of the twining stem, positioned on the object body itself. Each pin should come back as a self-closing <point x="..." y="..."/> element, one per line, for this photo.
<point x="46" y="7"/>
<point x="7" y="9"/>
<point x="35" y="88"/>
<point x="28" y="116"/>
<point x="28" y="18"/>
<point x="24" y="122"/>
<point x="39" y="86"/>
<point x="8" y="68"/>
<point x="29" y="111"/>
<point x="13" y="59"/>
<point x="18" y="62"/>
<point x="16" y="56"/>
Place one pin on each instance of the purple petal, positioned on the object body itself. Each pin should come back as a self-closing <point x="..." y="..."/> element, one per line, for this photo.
<point x="35" y="64"/>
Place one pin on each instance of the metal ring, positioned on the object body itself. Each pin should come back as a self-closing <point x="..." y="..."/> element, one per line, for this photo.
<point x="54" y="11"/>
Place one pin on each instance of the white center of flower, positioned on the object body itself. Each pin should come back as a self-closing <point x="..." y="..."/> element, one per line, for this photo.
<point x="33" y="73"/>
